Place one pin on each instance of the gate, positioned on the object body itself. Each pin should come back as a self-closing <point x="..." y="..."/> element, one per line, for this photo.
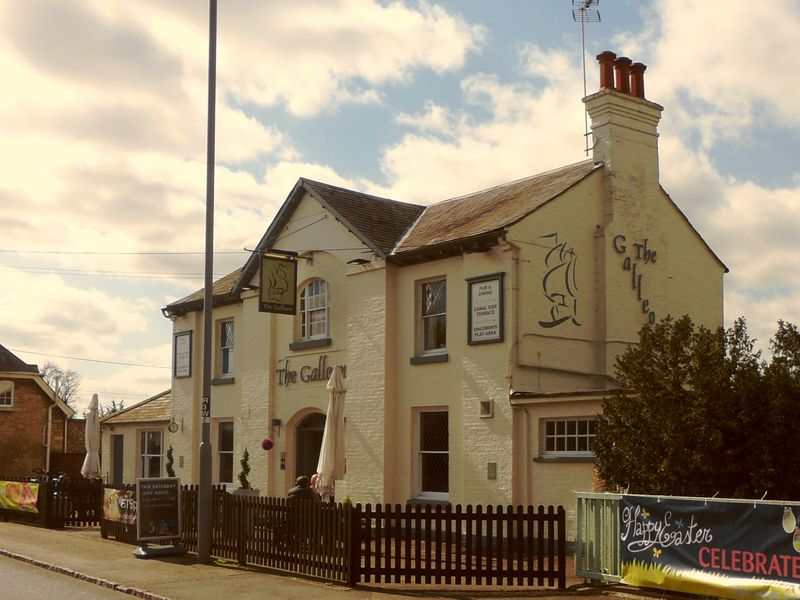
<point x="597" y="550"/>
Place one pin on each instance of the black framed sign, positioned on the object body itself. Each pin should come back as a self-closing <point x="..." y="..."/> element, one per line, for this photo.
<point x="277" y="292"/>
<point x="158" y="509"/>
<point x="485" y="306"/>
<point x="182" y="354"/>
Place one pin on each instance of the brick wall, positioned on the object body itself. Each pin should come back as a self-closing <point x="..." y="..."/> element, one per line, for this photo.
<point x="21" y="445"/>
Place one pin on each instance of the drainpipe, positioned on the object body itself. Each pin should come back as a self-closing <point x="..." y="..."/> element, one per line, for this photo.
<point x="49" y="439"/>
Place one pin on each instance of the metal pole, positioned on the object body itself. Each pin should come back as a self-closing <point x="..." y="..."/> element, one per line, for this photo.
<point x="204" y="491"/>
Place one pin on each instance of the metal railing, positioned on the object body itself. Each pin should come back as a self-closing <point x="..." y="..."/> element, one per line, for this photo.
<point x="597" y="547"/>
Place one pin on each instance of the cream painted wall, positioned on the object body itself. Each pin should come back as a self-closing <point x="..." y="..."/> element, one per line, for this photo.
<point x="555" y="242"/>
<point x="552" y="482"/>
<point x="471" y="374"/>
<point x="131" y="433"/>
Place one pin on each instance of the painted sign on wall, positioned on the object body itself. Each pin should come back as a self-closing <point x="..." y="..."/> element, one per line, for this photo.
<point x="560" y="282"/>
<point x="712" y="547"/>
<point x="637" y="255"/>
<point x="182" y="354"/>
<point x="289" y="374"/>
<point x="485" y="305"/>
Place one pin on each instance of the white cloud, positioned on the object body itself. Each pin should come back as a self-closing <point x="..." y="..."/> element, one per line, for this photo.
<point x="528" y="128"/>
<point x="732" y="61"/>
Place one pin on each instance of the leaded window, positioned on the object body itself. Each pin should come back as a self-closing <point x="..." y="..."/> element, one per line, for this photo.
<point x="433" y="315"/>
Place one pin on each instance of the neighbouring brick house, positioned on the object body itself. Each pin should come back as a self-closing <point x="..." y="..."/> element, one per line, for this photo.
<point x="37" y="428"/>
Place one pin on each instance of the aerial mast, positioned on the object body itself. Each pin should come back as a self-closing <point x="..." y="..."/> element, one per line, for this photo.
<point x="585" y="11"/>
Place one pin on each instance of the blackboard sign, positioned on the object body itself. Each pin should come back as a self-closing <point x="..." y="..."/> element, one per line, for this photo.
<point x="158" y="507"/>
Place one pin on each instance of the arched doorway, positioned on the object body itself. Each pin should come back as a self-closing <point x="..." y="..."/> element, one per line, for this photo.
<point x="308" y="441"/>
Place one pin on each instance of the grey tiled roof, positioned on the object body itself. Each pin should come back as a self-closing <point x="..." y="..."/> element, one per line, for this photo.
<point x="380" y="220"/>
<point x="11" y="363"/>
<point x="194" y="301"/>
<point x="490" y="210"/>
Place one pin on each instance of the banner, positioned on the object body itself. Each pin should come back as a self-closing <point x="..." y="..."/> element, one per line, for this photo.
<point x="119" y="506"/>
<point x="712" y="547"/>
<point x="19" y="495"/>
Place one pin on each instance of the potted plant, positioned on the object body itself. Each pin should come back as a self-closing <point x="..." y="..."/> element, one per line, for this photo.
<point x="245" y="489"/>
<point x="170" y="462"/>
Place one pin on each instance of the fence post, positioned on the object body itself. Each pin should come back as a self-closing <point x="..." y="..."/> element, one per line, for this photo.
<point x="354" y="545"/>
<point x="239" y="507"/>
<point x="562" y="548"/>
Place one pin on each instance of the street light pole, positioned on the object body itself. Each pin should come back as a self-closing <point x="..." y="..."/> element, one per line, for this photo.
<point x="204" y="491"/>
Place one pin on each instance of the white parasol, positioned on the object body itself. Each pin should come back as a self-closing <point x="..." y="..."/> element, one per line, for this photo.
<point x="331" y="465"/>
<point x="91" y="464"/>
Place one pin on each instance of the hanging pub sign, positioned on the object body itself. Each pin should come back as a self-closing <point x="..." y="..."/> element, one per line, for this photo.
<point x="485" y="318"/>
<point x="278" y="288"/>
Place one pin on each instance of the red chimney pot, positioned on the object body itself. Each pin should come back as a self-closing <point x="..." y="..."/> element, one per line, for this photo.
<point x="637" y="79"/>
<point x="622" y="68"/>
<point x="606" y="60"/>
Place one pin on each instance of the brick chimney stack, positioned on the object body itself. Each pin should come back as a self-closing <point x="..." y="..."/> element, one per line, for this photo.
<point x="624" y="127"/>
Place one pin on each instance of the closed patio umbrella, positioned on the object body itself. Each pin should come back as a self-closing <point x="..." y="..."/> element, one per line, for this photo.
<point x="91" y="464"/>
<point x="331" y="465"/>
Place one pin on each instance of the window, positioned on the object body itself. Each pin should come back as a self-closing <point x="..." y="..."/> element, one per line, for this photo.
<point x="314" y="310"/>
<point x="569" y="437"/>
<point x="150" y="445"/>
<point x="433" y="316"/>
<point x="6" y="394"/>
<point x="433" y="455"/>
<point x="225" y="452"/>
<point x="225" y="365"/>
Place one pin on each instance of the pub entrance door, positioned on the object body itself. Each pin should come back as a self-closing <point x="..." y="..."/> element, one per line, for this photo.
<point x="308" y="444"/>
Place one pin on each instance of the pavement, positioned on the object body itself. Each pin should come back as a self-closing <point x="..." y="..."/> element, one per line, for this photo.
<point x="82" y="553"/>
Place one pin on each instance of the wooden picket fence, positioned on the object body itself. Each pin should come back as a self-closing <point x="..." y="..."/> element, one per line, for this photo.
<point x="490" y="546"/>
<point x="61" y="502"/>
<point x="472" y="546"/>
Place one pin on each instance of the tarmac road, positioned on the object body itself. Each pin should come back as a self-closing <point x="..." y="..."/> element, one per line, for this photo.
<point x="82" y="554"/>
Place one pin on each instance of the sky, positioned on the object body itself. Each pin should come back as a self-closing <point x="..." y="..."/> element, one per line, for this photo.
<point x="103" y="141"/>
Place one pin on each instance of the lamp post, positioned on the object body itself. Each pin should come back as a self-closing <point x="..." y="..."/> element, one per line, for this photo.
<point x="204" y="491"/>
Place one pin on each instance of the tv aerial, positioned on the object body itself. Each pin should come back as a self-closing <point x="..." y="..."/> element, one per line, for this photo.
<point x="585" y="11"/>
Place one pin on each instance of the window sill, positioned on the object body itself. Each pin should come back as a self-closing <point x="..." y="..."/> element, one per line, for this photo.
<point x="227" y="380"/>
<point x="563" y="459"/>
<point x="426" y="501"/>
<point x="424" y="359"/>
<point x="305" y="345"/>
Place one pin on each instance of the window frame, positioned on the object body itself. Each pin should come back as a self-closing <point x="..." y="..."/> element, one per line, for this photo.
<point x="226" y="353"/>
<point x="564" y="434"/>
<point x="420" y="317"/>
<point x="9" y="392"/>
<point x="304" y="313"/>
<point x="144" y="455"/>
<point x="229" y="454"/>
<point x="419" y="493"/>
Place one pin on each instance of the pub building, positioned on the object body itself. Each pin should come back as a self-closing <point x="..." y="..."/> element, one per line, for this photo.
<point x="478" y="334"/>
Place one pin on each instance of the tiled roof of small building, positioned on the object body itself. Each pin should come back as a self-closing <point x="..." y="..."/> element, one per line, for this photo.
<point x="157" y="408"/>
<point x="490" y="210"/>
<point x="194" y="301"/>
<point x="382" y="221"/>
<point x="11" y="363"/>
